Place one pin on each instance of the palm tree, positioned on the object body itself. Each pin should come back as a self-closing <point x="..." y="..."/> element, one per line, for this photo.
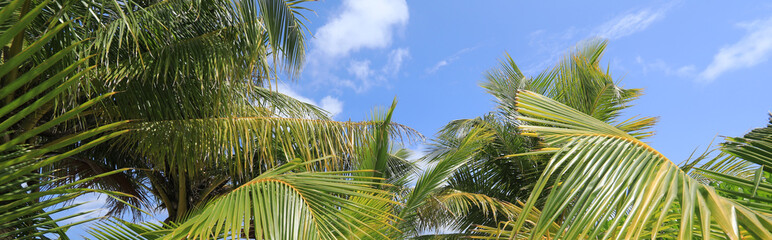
<point x="296" y="200"/>
<point x="193" y="78"/>
<point x="578" y="81"/>
<point x="609" y="184"/>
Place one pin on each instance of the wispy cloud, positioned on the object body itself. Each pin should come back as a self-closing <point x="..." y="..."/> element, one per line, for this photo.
<point x="448" y="60"/>
<point x="362" y="24"/>
<point x="364" y="76"/>
<point x="553" y="45"/>
<point x="396" y="57"/>
<point x="329" y="103"/>
<point x="629" y="23"/>
<point x="659" y="65"/>
<point x="332" y="105"/>
<point x="752" y="49"/>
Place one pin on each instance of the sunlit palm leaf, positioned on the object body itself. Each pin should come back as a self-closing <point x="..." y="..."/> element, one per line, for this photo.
<point x="119" y="229"/>
<point x="284" y="204"/>
<point x="619" y="187"/>
<point x="243" y="143"/>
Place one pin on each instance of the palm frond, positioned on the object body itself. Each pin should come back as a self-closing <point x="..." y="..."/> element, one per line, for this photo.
<point x="119" y="229"/>
<point x="755" y="147"/>
<point x="23" y="196"/>
<point x="577" y="81"/>
<point x="619" y="187"/>
<point x="284" y="204"/>
<point x="433" y="179"/>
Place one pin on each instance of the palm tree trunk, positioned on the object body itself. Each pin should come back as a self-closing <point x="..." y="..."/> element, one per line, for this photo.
<point x="16" y="47"/>
<point x="182" y="195"/>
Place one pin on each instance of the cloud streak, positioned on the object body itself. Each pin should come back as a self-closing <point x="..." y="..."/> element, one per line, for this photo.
<point x="752" y="49"/>
<point x="448" y="60"/>
<point x="631" y="23"/>
<point x="687" y="71"/>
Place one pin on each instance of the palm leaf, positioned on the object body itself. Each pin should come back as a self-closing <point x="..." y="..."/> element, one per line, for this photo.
<point x="23" y="198"/>
<point x="577" y="81"/>
<point x="285" y="204"/>
<point x="619" y="187"/>
<point x="435" y="177"/>
<point x="755" y="147"/>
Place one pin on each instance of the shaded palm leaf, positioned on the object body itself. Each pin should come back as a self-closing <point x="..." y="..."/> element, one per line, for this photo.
<point x="23" y="198"/>
<point x="431" y="181"/>
<point x="755" y="147"/>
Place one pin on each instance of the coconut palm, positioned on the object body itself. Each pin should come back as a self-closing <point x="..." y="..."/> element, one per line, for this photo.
<point x="193" y="77"/>
<point x="297" y="200"/>
<point x="577" y="80"/>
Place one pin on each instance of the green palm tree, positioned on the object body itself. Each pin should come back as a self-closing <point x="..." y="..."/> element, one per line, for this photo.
<point x="577" y="80"/>
<point x="193" y="78"/>
<point x="299" y="201"/>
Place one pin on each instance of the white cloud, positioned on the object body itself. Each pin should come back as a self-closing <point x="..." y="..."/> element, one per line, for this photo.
<point x="752" y="49"/>
<point x="630" y="23"/>
<point x="686" y="71"/>
<point x="329" y="103"/>
<point x="362" y="24"/>
<point x="332" y="105"/>
<point x="439" y="64"/>
<point x="360" y="69"/>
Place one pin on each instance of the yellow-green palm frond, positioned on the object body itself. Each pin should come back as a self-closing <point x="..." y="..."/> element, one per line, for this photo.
<point x="286" y="204"/>
<point x="244" y="145"/>
<point x="609" y="184"/>
<point x="435" y="177"/>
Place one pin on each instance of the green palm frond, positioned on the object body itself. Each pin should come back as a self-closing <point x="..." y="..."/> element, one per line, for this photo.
<point x="488" y="172"/>
<point x="285" y="30"/>
<point x="619" y="187"/>
<point x="755" y="147"/>
<point x="119" y="229"/>
<point x="435" y="177"/>
<point x="24" y="198"/>
<point x="461" y="203"/>
<point x="741" y="172"/>
<point x="740" y="180"/>
<point x="287" y="204"/>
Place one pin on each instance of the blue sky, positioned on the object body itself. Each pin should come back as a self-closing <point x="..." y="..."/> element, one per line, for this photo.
<point x="704" y="65"/>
